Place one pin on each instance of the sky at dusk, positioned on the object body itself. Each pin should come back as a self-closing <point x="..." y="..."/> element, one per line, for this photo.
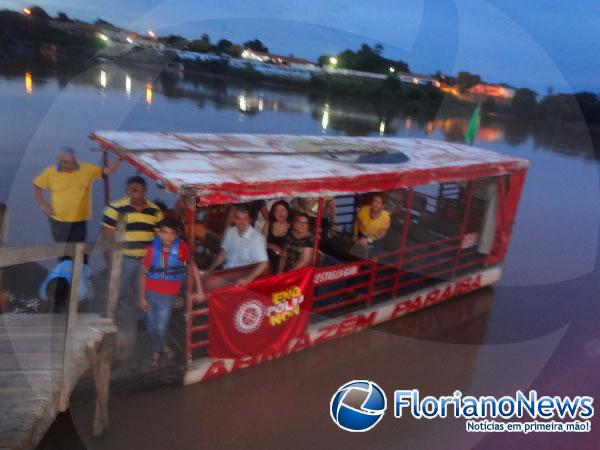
<point x="530" y="43"/>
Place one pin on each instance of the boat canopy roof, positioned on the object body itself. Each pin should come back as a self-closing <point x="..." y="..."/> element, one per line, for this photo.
<point x="225" y="168"/>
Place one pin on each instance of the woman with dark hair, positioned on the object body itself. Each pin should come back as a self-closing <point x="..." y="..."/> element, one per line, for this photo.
<point x="276" y="230"/>
<point x="298" y="249"/>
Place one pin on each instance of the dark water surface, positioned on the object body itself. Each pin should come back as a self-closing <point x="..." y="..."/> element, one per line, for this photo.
<point x="538" y="328"/>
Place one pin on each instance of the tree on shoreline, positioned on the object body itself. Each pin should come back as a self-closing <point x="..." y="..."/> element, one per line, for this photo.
<point x="38" y="12"/>
<point x="524" y="103"/>
<point x="256" y="45"/>
<point x="229" y="48"/>
<point x="465" y="80"/>
<point x="365" y="59"/>
<point x="62" y="17"/>
<point x="201" y="45"/>
<point x="175" y="41"/>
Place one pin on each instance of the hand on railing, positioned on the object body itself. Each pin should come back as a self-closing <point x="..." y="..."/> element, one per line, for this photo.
<point x="242" y="282"/>
<point x="199" y="297"/>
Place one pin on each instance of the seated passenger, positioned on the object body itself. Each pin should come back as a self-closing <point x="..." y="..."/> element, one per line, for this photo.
<point x="265" y="208"/>
<point x="56" y="296"/>
<point x="371" y="225"/>
<point x="55" y="290"/>
<point x="242" y="246"/>
<point x="178" y="212"/>
<point x="298" y="249"/>
<point x="256" y="209"/>
<point x="310" y="206"/>
<point x="208" y="245"/>
<point x="276" y="230"/>
<point x="395" y="201"/>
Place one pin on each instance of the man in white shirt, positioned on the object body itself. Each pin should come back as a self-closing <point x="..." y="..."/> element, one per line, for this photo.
<point x="242" y="246"/>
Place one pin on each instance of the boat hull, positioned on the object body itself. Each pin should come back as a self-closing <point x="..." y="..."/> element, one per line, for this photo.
<point x="205" y="368"/>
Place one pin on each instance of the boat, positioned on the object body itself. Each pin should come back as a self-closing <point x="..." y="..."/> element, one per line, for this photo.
<point x="452" y="210"/>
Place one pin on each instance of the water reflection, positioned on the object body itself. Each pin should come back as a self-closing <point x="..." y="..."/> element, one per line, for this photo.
<point x="250" y="104"/>
<point x="242" y="102"/>
<point x="28" y="83"/>
<point x="148" y="93"/>
<point x="339" y="114"/>
<point x="128" y="85"/>
<point x="103" y="80"/>
<point x="325" y="119"/>
<point x="382" y="127"/>
<point x="429" y="127"/>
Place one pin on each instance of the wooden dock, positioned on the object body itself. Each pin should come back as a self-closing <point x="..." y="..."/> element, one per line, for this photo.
<point x="43" y="355"/>
<point x="35" y="385"/>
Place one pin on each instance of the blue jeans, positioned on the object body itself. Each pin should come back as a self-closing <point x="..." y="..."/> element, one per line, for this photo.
<point x="157" y="319"/>
<point x="130" y="280"/>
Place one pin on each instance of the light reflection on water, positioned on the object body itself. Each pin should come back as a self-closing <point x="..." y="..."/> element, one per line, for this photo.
<point x="28" y="83"/>
<point x="149" y="93"/>
<point x="559" y="204"/>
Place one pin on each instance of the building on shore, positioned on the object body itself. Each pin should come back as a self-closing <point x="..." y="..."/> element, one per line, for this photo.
<point x="415" y="78"/>
<point x="280" y="60"/>
<point x="483" y="91"/>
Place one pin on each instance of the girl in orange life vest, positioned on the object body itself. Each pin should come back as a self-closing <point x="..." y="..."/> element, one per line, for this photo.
<point x="163" y="270"/>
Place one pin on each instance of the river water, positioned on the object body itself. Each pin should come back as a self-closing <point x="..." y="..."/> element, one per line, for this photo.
<point x="538" y="327"/>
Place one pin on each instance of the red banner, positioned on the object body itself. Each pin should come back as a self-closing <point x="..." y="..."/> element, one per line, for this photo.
<point x="261" y="317"/>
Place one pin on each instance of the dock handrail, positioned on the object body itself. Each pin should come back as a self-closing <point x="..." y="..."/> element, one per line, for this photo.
<point x="99" y="354"/>
<point x="14" y="255"/>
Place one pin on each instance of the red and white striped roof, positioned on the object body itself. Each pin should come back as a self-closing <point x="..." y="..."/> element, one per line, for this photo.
<point x="223" y="168"/>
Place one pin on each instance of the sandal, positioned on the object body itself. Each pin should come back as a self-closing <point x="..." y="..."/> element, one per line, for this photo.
<point x="169" y="353"/>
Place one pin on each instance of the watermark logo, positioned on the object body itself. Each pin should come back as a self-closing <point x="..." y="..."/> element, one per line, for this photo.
<point x="358" y="406"/>
<point x="524" y="412"/>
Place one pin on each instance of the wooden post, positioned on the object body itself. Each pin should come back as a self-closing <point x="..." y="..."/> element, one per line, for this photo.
<point x="3" y="231"/>
<point x="71" y="324"/>
<point x="100" y="356"/>
<point x="3" y="223"/>
<point x="105" y="177"/>
<point x="114" y="279"/>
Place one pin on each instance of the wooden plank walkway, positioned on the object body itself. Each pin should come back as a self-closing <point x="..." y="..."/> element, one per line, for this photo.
<point x="43" y="356"/>
<point x="36" y="377"/>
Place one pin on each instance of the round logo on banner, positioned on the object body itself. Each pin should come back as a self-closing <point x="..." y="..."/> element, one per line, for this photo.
<point x="248" y="317"/>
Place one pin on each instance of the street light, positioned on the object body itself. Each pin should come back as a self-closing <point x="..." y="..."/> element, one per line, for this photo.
<point x="152" y="34"/>
<point x="27" y="11"/>
<point x="392" y="70"/>
<point x="103" y="37"/>
<point x="333" y="61"/>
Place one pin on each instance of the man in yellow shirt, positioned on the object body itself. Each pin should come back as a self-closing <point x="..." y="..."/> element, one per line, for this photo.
<point x="371" y="225"/>
<point x="70" y="185"/>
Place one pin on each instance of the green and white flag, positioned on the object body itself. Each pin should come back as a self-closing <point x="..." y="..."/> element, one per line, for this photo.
<point x="473" y="126"/>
